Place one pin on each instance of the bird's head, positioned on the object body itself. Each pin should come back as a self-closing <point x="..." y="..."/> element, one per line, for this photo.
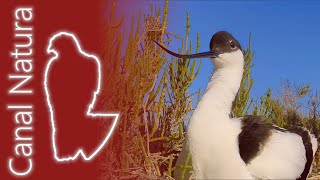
<point x="225" y="51"/>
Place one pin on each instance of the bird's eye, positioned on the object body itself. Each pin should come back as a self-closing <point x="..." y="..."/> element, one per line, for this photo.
<point x="232" y="45"/>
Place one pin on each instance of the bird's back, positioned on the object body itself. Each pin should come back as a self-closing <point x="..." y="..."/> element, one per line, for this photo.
<point x="275" y="153"/>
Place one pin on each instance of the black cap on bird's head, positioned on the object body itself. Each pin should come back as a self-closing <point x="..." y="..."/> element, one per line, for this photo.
<point x="221" y="42"/>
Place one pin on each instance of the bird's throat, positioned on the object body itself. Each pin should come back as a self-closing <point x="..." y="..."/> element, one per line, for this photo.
<point x="222" y="90"/>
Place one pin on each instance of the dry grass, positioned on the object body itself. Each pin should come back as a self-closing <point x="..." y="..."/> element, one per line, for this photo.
<point x="152" y="94"/>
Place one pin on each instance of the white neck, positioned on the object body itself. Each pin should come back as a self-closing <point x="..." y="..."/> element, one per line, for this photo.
<point x="212" y="136"/>
<point x="222" y="88"/>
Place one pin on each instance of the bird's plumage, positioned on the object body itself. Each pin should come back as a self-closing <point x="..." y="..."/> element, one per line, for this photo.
<point x="246" y="147"/>
<point x="273" y="152"/>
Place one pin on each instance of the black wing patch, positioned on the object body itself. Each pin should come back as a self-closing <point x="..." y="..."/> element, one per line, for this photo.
<point x="252" y="138"/>
<point x="255" y="134"/>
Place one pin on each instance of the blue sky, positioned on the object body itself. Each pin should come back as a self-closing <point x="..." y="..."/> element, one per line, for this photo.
<point x="285" y="37"/>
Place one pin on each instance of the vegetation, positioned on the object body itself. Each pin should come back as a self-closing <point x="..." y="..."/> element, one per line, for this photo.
<point x="151" y="91"/>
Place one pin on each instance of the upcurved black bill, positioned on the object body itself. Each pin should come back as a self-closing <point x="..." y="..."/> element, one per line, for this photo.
<point x="189" y="56"/>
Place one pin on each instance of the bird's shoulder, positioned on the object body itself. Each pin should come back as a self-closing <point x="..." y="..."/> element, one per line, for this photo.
<point x="253" y="136"/>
